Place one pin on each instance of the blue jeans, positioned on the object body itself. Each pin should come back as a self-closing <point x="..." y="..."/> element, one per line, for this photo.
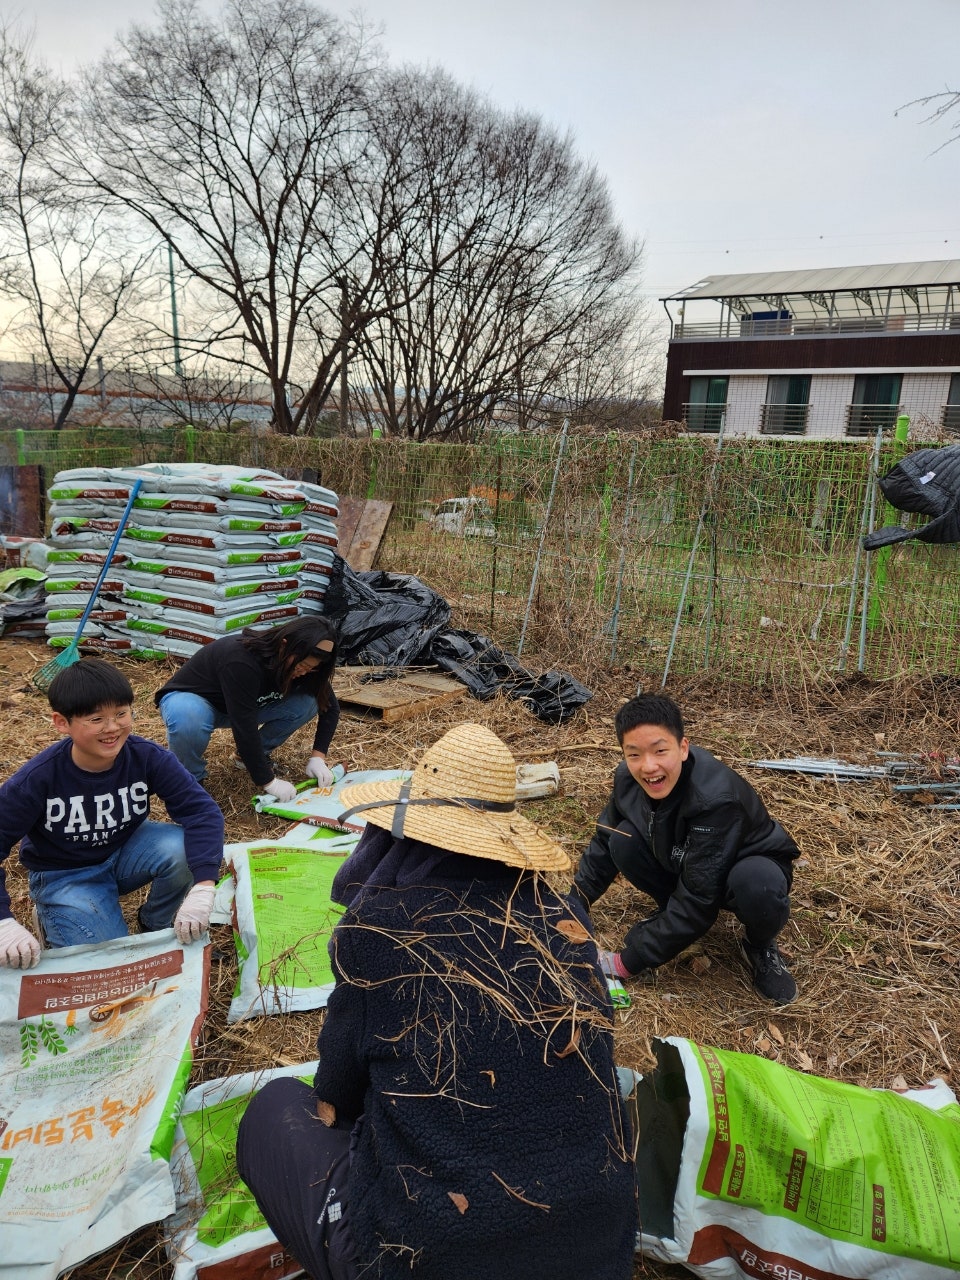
<point x="190" y="720"/>
<point x="82" y="904"/>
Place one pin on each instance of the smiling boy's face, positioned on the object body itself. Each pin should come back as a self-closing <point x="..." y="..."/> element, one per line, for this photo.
<point x="654" y="757"/>
<point x="98" y="737"/>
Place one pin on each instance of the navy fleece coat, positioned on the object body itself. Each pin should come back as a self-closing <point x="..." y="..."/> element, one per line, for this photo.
<point x="469" y="1037"/>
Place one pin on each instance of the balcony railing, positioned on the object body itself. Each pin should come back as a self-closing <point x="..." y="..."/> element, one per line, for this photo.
<point x="867" y="419"/>
<point x="704" y="417"/>
<point x="817" y="326"/>
<point x="783" y="419"/>
<point x="950" y="417"/>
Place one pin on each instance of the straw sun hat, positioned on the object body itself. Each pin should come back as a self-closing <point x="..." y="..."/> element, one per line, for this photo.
<point x="462" y="796"/>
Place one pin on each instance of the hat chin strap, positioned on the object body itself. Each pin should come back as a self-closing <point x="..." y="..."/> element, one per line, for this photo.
<point x="403" y="801"/>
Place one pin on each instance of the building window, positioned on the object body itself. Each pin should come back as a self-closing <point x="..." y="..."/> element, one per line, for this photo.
<point x="876" y="403"/>
<point x="707" y="406"/>
<point x="787" y="404"/>
<point x="951" y="410"/>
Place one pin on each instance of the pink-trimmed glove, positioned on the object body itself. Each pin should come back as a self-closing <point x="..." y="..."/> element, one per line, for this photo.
<point x="613" y="966"/>
<point x="317" y="768"/>
<point x="193" y="918"/>
<point x="19" y="949"/>
<point x="281" y="790"/>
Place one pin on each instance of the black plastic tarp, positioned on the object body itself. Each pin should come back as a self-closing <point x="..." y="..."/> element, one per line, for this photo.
<point x="384" y="619"/>
<point x="395" y="620"/>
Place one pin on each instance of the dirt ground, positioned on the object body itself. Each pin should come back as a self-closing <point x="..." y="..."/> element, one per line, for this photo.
<point x="873" y="938"/>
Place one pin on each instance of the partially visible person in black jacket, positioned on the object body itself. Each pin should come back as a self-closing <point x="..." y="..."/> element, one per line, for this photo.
<point x="465" y="1121"/>
<point x="687" y="830"/>
<point x="263" y="685"/>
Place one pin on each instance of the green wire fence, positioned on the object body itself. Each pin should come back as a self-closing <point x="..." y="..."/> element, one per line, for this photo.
<point x="742" y="561"/>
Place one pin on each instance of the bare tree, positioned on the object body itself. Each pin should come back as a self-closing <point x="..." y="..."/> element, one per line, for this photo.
<point x="502" y="253"/>
<point x="67" y="266"/>
<point x="230" y="138"/>
<point x="939" y="106"/>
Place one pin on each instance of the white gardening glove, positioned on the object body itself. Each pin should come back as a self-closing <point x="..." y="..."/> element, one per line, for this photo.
<point x="192" y="919"/>
<point x="317" y="768"/>
<point x="613" y="966"/>
<point x="19" y="949"/>
<point x="281" y="790"/>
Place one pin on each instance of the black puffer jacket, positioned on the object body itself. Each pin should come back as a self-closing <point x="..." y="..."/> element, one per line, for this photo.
<point x="927" y="481"/>
<point x="710" y="820"/>
<point x="489" y="1135"/>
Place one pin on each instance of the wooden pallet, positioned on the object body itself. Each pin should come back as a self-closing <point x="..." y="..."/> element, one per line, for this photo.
<point x="399" y="696"/>
<point x="361" y="525"/>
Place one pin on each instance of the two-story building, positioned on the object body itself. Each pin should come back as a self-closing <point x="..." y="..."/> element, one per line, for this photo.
<point x="828" y="354"/>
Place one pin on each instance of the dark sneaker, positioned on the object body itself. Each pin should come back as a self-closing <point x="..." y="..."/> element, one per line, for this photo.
<point x="771" y="978"/>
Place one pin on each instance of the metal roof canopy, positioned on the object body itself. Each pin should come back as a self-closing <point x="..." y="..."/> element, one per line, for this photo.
<point x="895" y="288"/>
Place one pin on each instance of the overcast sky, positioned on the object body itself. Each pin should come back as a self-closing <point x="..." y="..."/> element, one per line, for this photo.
<point x="736" y="135"/>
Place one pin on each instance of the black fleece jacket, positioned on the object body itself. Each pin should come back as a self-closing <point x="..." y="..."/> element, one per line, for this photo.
<point x="469" y="1037"/>
<point x="710" y="820"/>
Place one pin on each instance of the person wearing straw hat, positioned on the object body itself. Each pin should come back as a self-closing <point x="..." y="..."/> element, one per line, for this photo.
<point x="465" y="1119"/>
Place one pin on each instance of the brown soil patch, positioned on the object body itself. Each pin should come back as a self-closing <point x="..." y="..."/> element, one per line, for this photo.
<point x="873" y="940"/>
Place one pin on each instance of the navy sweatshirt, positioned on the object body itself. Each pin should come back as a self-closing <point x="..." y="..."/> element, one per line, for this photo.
<point x="469" y="1037"/>
<point x="67" y="817"/>
<point x="235" y="681"/>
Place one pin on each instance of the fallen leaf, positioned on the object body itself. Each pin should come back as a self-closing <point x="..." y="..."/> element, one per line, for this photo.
<point x="327" y="1113"/>
<point x="461" y="1201"/>
<point x="571" y="1047"/>
<point x="806" y="1062"/>
<point x="776" y="1032"/>
<point x="899" y="1084"/>
<point x="700" y="964"/>
<point x="764" y="1045"/>
<point x="573" y="930"/>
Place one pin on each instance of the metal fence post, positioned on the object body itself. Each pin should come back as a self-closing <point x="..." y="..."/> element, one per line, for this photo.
<point x="883" y="554"/>
<point x="543" y="533"/>
<point x="693" y="554"/>
<point x="871" y="523"/>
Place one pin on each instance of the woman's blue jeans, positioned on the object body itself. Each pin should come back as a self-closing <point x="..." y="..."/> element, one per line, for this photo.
<point x="82" y="904"/>
<point x="190" y="721"/>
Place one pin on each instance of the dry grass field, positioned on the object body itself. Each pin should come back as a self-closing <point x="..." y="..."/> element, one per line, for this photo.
<point x="874" y="940"/>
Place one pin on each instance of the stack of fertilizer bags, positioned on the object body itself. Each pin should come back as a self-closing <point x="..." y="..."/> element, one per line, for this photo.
<point x="207" y="550"/>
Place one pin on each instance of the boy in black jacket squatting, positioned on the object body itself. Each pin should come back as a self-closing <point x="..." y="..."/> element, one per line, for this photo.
<point x="689" y="831"/>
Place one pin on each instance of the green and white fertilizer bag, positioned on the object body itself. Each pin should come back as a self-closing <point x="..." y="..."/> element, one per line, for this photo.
<point x="217" y="1232"/>
<point x="748" y="1168"/>
<point x="97" y="1045"/>
<point x="282" y="912"/>
<point x="282" y="921"/>
<point x="322" y="806"/>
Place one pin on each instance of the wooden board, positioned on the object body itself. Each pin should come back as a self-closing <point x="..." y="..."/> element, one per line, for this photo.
<point x="409" y="693"/>
<point x="361" y="525"/>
